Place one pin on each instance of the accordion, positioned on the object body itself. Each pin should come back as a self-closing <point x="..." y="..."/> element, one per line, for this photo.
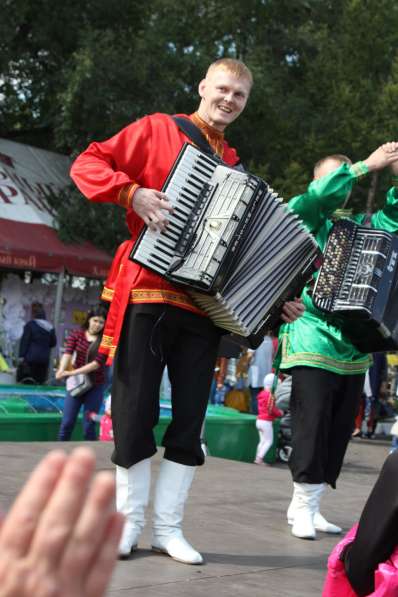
<point x="359" y="281"/>
<point x="230" y="240"/>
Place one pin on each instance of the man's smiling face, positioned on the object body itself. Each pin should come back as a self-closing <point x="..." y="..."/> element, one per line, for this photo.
<point x="224" y="96"/>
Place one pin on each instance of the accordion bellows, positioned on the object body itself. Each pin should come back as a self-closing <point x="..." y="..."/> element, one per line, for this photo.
<point x="232" y="242"/>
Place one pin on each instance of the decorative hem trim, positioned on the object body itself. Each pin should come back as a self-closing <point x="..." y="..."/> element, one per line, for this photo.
<point x="149" y="295"/>
<point x="108" y="349"/>
<point x="106" y="341"/>
<point x="310" y="359"/>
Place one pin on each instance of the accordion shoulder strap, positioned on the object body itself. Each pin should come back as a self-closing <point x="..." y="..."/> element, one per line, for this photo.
<point x="194" y="133"/>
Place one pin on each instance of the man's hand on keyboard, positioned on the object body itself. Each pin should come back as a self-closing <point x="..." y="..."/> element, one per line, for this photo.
<point x="151" y="206"/>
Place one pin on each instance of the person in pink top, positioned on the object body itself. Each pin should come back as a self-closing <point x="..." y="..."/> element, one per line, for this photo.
<point x="106" y="429"/>
<point x="365" y="562"/>
<point x="267" y="412"/>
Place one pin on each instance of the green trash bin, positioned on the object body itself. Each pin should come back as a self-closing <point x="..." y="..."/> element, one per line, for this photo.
<point x="229" y="434"/>
<point x="236" y="437"/>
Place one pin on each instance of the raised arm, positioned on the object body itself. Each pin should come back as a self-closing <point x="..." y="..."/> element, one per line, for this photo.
<point x="324" y="195"/>
<point x="387" y="217"/>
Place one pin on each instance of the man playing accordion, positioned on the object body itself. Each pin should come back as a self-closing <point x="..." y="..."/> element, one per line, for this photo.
<point x="327" y="370"/>
<point x="152" y="323"/>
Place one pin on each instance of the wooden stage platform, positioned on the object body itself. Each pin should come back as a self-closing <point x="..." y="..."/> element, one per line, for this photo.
<point x="236" y="517"/>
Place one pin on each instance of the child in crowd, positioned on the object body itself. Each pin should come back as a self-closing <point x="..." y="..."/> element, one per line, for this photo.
<point x="267" y="412"/>
<point x="105" y="421"/>
<point x="106" y="430"/>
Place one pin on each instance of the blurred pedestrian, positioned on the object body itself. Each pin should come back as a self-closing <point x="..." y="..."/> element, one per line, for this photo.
<point x="38" y="338"/>
<point x="267" y="413"/>
<point x="374" y="388"/>
<point x="260" y="366"/>
<point x="89" y="365"/>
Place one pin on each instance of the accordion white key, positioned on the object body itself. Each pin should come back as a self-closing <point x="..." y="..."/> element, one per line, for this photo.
<point x="231" y="241"/>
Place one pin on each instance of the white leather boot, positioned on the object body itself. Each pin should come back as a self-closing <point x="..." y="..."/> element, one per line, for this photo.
<point x="320" y="522"/>
<point x="132" y="495"/>
<point x="171" y="493"/>
<point x="292" y="507"/>
<point x="307" y="501"/>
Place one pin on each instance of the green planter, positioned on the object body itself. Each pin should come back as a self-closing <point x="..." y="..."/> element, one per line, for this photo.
<point x="37" y="427"/>
<point x="229" y="433"/>
<point x="233" y="436"/>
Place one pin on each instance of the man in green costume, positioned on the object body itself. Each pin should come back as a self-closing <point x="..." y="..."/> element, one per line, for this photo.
<point x="327" y="370"/>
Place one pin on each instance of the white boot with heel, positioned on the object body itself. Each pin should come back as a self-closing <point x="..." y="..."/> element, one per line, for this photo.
<point x="132" y="495"/>
<point x="303" y="512"/>
<point x="171" y="492"/>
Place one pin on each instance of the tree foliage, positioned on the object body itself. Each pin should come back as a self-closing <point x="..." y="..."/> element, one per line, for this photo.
<point x="326" y="78"/>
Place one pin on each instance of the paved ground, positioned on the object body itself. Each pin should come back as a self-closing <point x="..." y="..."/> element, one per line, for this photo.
<point x="236" y="518"/>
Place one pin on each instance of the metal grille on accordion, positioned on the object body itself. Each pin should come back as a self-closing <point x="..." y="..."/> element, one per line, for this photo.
<point x="232" y="242"/>
<point x="359" y="281"/>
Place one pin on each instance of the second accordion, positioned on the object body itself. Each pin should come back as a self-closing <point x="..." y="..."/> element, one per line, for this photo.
<point x="238" y="250"/>
<point x="358" y="285"/>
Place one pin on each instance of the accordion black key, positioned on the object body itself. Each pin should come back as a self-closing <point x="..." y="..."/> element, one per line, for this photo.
<point x="358" y="281"/>
<point x="231" y="241"/>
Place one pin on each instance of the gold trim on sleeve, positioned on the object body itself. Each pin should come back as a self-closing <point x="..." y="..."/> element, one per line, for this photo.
<point x="126" y="193"/>
<point x="359" y="170"/>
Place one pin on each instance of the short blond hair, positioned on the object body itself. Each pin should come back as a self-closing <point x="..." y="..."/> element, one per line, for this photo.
<point x="233" y="66"/>
<point x="336" y="157"/>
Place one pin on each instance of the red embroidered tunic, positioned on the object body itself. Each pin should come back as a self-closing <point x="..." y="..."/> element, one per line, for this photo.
<point x="142" y="154"/>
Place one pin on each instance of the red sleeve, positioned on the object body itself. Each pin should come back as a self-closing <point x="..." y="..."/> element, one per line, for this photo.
<point x="105" y="169"/>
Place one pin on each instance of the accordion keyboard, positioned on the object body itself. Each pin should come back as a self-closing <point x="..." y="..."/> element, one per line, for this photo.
<point x="182" y="187"/>
<point x="212" y="205"/>
<point x="354" y="261"/>
<point x="217" y="228"/>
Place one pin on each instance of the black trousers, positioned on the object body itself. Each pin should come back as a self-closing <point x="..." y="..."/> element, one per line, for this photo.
<point x="154" y="336"/>
<point x="323" y="408"/>
<point x="377" y="534"/>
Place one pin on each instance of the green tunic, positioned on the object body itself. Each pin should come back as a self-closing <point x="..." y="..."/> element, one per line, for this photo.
<point x="315" y="339"/>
